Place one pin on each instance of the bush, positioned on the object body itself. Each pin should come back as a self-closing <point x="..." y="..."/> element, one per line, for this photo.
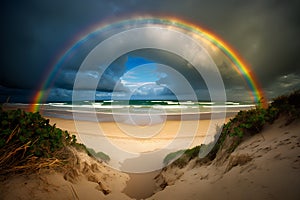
<point x="182" y="157"/>
<point x="102" y="156"/>
<point x="172" y="156"/>
<point x="288" y="105"/>
<point x="26" y="138"/>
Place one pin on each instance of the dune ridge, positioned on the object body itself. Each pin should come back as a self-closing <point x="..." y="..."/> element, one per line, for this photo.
<point x="265" y="166"/>
<point x="87" y="178"/>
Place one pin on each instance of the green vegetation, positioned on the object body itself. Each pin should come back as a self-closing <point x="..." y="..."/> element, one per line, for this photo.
<point x="288" y="105"/>
<point x="28" y="142"/>
<point x="173" y="156"/>
<point x="243" y="125"/>
<point x="99" y="155"/>
<point x="182" y="157"/>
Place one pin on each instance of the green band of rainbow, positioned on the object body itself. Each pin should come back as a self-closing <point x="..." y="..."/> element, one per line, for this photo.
<point x="239" y="65"/>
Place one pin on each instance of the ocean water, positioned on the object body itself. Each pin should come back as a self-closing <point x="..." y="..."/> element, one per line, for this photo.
<point x="139" y="110"/>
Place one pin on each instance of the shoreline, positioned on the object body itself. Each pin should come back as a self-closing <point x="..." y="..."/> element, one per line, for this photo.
<point x="88" y="114"/>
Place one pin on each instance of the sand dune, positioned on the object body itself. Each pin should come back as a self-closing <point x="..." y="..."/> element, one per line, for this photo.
<point x="265" y="166"/>
<point x="88" y="179"/>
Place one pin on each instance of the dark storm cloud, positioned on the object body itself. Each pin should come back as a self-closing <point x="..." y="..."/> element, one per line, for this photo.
<point x="265" y="33"/>
<point x="34" y="32"/>
<point x="15" y="95"/>
<point x="88" y="78"/>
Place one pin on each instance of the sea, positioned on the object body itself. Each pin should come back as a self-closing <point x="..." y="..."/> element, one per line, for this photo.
<point x="110" y="110"/>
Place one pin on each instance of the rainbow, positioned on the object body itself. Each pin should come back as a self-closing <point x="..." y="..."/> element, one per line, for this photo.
<point x="239" y="64"/>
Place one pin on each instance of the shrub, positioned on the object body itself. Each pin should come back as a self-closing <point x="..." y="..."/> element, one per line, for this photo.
<point x="172" y="156"/>
<point x="100" y="155"/>
<point x="26" y="138"/>
<point x="250" y="121"/>
<point x="288" y="105"/>
<point x="182" y="157"/>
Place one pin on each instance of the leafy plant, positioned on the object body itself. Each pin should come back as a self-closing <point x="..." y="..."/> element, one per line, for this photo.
<point x="26" y="138"/>
<point x="172" y="156"/>
<point x="250" y="121"/>
<point x="100" y="155"/>
<point x="182" y="157"/>
<point x="288" y="105"/>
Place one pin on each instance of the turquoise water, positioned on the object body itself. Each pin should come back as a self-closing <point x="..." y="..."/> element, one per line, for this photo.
<point x="140" y="106"/>
<point x="105" y="110"/>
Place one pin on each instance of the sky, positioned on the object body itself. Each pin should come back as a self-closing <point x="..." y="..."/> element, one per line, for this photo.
<point x="35" y="34"/>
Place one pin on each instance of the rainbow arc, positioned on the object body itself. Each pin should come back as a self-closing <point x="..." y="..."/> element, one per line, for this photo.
<point x="238" y="63"/>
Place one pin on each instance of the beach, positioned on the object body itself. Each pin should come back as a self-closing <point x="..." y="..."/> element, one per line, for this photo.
<point x="130" y="136"/>
<point x="141" y="185"/>
<point x="265" y="166"/>
<point x="138" y="138"/>
<point x="140" y="148"/>
<point x="142" y="138"/>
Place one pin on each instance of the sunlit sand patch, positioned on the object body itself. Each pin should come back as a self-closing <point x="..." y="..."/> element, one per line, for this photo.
<point x="127" y="142"/>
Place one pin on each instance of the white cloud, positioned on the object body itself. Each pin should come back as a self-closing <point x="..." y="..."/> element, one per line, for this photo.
<point x="151" y="90"/>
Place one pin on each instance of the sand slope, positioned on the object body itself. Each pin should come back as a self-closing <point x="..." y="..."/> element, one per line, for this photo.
<point x="88" y="179"/>
<point x="266" y="166"/>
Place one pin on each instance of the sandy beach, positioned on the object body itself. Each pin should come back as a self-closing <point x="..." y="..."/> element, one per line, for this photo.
<point x="139" y="138"/>
<point x="140" y="149"/>
<point x="265" y="166"/>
